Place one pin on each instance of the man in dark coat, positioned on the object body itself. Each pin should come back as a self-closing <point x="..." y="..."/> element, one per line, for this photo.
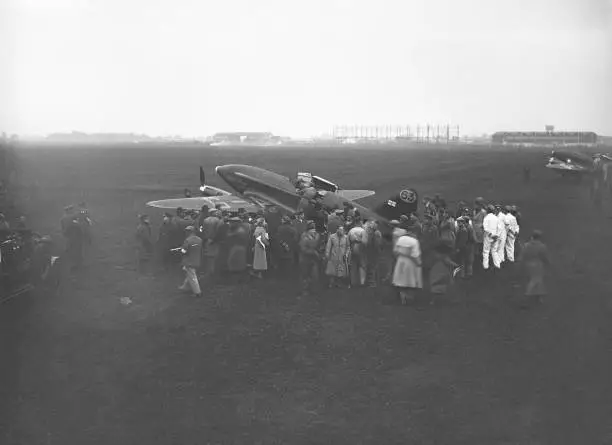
<point x="286" y="243"/>
<point x="144" y="244"/>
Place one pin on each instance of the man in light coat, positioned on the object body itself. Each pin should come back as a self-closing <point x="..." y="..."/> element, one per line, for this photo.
<point x="477" y="222"/>
<point x="490" y="239"/>
<point x="512" y="229"/>
<point x="501" y="232"/>
<point x="192" y="256"/>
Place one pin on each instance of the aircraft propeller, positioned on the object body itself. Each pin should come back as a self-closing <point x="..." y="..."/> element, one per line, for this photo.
<point x="202" y="178"/>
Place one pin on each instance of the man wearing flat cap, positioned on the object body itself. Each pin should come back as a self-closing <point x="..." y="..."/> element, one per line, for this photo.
<point x="192" y="256"/>
<point x="310" y="244"/>
<point x="285" y="244"/>
<point x="144" y="244"/>
<point x="211" y="238"/>
<point x="73" y="233"/>
<point x="477" y="223"/>
<point x="512" y="232"/>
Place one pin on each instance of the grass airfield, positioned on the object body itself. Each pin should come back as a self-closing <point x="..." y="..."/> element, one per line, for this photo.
<point x="253" y="364"/>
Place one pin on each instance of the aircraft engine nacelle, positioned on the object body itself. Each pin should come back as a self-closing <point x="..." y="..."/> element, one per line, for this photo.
<point x="207" y="190"/>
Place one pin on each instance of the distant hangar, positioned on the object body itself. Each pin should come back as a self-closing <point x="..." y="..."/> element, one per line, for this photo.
<point x="552" y="138"/>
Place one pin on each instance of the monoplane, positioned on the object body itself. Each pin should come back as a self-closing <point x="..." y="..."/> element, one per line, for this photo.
<point x="576" y="165"/>
<point x="256" y="188"/>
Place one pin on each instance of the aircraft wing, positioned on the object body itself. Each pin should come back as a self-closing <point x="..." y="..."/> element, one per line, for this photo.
<point x="354" y="195"/>
<point x="264" y="199"/>
<point x="228" y="202"/>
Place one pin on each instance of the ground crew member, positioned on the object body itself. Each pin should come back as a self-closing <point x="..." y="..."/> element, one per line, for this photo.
<point x="477" y="224"/>
<point x="512" y="228"/>
<point x="357" y="265"/>
<point x="192" y="255"/>
<point x="490" y="239"/>
<point x="501" y="232"/>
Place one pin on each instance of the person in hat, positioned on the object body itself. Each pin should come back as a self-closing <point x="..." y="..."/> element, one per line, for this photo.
<point x="73" y="234"/>
<point x="407" y="272"/>
<point x="490" y="245"/>
<point x="512" y="230"/>
<point x="285" y="247"/>
<point x="212" y="237"/>
<point x="144" y="244"/>
<point x="441" y="272"/>
<point x="309" y="258"/>
<point x="477" y="223"/>
<point x="502" y="231"/>
<point x="464" y="246"/>
<point x="167" y="239"/>
<point x="337" y="252"/>
<point x="192" y="257"/>
<point x="534" y="258"/>
<point x="372" y="248"/>
<point x="261" y="242"/>
<point x="204" y="213"/>
<point x="447" y="228"/>
<point x="237" y="245"/>
<point x="357" y="261"/>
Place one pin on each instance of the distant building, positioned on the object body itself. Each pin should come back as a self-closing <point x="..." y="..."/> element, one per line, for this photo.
<point x="245" y="138"/>
<point x="546" y="138"/>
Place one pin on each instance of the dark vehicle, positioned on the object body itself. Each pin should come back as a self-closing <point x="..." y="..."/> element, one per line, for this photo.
<point x="25" y="262"/>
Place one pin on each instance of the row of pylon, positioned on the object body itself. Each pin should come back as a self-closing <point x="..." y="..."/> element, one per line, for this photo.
<point x="419" y="133"/>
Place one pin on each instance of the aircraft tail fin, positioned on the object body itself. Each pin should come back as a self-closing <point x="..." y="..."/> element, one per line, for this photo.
<point x="403" y="203"/>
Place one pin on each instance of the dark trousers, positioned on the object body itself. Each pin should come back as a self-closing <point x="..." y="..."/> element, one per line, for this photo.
<point x="209" y="269"/>
<point x="309" y="273"/>
<point x="465" y="258"/>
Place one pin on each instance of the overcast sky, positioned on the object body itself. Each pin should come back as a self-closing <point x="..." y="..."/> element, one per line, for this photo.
<point x="298" y="67"/>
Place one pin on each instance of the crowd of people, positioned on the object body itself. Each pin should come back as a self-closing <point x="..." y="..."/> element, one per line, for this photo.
<point x="426" y="251"/>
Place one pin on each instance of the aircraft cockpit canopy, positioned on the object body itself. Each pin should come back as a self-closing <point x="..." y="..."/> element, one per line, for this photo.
<point x="305" y="179"/>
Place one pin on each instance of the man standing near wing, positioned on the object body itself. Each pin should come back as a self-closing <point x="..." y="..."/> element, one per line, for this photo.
<point x="192" y="255"/>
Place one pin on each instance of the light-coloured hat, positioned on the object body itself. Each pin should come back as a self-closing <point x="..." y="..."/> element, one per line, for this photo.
<point x="190" y="228"/>
<point x="394" y="222"/>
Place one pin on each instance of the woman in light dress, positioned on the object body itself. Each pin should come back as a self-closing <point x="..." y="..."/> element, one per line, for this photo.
<point x="337" y="254"/>
<point x="261" y="242"/>
<point x="407" y="272"/>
